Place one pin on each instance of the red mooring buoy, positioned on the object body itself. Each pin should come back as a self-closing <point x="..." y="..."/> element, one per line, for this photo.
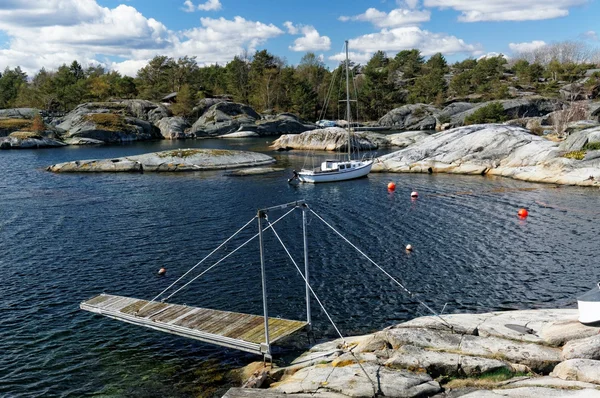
<point x="162" y="271"/>
<point x="391" y="186"/>
<point x="523" y="213"/>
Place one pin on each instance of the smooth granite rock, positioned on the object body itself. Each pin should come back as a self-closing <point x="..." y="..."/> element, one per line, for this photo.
<point x="326" y="139"/>
<point x="534" y="392"/>
<point x="351" y="381"/>
<point x="559" y="332"/>
<point x="587" y="370"/>
<point x="175" y="160"/>
<point x="587" y="348"/>
<point x="492" y="149"/>
<point x="173" y="128"/>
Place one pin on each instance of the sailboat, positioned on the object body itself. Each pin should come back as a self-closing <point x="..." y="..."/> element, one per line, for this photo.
<point x="338" y="170"/>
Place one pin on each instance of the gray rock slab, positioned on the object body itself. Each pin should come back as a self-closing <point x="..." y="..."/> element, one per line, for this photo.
<point x="171" y="161"/>
<point x="411" y="117"/>
<point x="559" y="332"/>
<point x="548" y="381"/>
<point x="406" y="138"/>
<point x="587" y="348"/>
<point x="262" y="393"/>
<point x="253" y="171"/>
<point x="326" y="139"/>
<point x="534" y="392"/>
<point x="459" y="323"/>
<point x="83" y="141"/>
<point x="240" y="134"/>
<point x="434" y="363"/>
<point x="426" y="338"/>
<point x="438" y="363"/>
<point x="539" y="358"/>
<point x="29" y="143"/>
<point x="532" y="323"/>
<point x="173" y="128"/>
<point x="586" y="370"/>
<point x="353" y="382"/>
<point x="500" y="150"/>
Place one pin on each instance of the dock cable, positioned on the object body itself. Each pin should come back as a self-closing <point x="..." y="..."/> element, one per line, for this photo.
<point x="377" y="391"/>
<point x="212" y="266"/>
<point x="406" y="290"/>
<point x="195" y="266"/>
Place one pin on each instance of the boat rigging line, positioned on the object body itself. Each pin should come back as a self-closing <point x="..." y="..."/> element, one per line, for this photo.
<point x="270" y="225"/>
<point x="212" y="266"/>
<point x="410" y="294"/>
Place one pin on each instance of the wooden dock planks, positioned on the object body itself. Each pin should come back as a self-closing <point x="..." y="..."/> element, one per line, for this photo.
<point x="230" y="329"/>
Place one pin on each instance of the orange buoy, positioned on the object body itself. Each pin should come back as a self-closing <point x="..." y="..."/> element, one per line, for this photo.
<point x="414" y="194"/>
<point x="523" y="213"/>
<point x="391" y="186"/>
<point x="162" y="271"/>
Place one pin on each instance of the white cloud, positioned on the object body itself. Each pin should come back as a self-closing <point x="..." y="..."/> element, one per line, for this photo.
<point x="412" y="4"/>
<point x="292" y="30"/>
<point x="219" y="40"/>
<point x="395" y="40"/>
<point x="210" y="5"/>
<point x="526" y="46"/>
<point x="590" y="35"/>
<point x="311" y="39"/>
<point x="396" y="18"/>
<point x="188" y="6"/>
<point x="93" y="34"/>
<point x="507" y="10"/>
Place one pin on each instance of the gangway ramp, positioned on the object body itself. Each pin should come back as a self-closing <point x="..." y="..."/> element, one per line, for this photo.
<point x="230" y="329"/>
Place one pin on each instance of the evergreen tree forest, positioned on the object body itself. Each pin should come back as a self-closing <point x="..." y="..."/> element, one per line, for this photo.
<point x="268" y="84"/>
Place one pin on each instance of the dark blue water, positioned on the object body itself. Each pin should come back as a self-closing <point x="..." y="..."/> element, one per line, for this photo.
<point x="65" y="238"/>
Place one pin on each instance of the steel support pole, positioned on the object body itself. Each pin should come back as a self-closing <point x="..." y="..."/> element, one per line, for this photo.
<point x="306" y="274"/>
<point x="261" y="215"/>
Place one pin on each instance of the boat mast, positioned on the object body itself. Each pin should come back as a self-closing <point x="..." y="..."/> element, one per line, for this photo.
<point x="348" y="103"/>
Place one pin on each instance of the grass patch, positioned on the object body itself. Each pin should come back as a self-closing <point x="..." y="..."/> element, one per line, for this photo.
<point x="577" y="155"/>
<point x="184" y="153"/>
<point x="487" y="380"/>
<point x="22" y="135"/>
<point x="15" y="124"/>
<point x="108" y="121"/>
<point x="592" y="146"/>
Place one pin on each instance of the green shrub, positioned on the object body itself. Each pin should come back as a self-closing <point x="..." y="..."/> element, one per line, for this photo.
<point x="108" y="121"/>
<point x="577" y="155"/>
<point x="491" y="113"/>
<point x="592" y="146"/>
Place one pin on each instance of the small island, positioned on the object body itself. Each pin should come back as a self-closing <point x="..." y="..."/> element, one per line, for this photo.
<point x="168" y="161"/>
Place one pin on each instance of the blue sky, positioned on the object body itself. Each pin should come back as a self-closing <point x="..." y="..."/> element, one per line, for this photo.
<point x="124" y="34"/>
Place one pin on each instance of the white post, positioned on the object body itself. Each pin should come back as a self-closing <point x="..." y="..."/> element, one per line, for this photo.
<point x="306" y="274"/>
<point x="267" y="348"/>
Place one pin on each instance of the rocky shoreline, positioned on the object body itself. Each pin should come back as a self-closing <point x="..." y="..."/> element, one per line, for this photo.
<point x="502" y="150"/>
<point x="528" y="353"/>
<point x="168" y="161"/>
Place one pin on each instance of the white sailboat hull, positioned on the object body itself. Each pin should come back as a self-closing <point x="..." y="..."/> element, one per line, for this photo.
<point x="318" y="176"/>
<point x="589" y="306"/>
<point x="589" y="311"/>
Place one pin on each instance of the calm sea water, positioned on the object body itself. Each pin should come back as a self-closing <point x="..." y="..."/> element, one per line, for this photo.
<point x="67" y="237"/>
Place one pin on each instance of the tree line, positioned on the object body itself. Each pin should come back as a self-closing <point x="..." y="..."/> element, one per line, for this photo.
<point x="268" y="84"/>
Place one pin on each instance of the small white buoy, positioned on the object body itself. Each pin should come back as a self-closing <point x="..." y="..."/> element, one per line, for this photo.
<point x="414" y="194"/>
<point x="162" y="271"/>
<point x="409" y="248"/>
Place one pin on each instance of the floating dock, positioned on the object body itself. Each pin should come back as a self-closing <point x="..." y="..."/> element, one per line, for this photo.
<point x="229" y="329"/>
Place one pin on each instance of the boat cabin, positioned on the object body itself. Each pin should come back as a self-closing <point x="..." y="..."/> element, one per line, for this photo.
<point x="332" y="165"/>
